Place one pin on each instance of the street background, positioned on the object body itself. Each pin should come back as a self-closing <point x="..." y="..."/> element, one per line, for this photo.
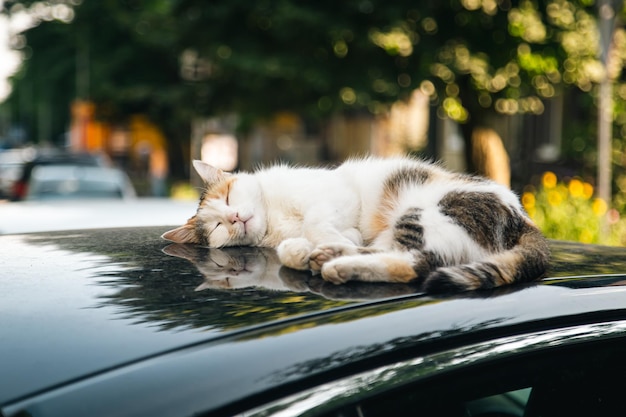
<point x="529" y="93"/>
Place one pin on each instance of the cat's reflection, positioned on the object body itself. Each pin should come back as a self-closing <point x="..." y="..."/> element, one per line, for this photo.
<point x="238" y="267"/>
<point x="251" y="267"/>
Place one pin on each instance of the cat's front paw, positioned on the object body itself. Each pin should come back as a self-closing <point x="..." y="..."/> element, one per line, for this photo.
<point x="295" y="253"/>
<point x="328" y="252"/>
<point x="337" y="272"/>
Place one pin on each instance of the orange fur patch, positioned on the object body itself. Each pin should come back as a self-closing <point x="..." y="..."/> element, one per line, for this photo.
<point x="380" y="220"/>
<point x="399" y="270"/>
<point x="220" y="190"/>
<point x="379" y="223"/>
<point x="509" y="263"/>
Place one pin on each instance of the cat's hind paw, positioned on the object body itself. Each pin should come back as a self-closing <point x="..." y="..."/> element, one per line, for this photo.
<point x="295" y="253"/>
<point x="327" y="252"/>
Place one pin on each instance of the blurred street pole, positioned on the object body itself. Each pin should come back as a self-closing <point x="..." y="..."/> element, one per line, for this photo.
<point x="606" y="16"/>
<point x="605" y="132"/>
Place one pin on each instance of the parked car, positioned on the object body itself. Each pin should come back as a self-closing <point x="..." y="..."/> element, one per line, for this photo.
<point x="118" y="322"/>
<point x="12" y="162"/>
<point x="63" y="182"/>
<point x="52" y="157"/>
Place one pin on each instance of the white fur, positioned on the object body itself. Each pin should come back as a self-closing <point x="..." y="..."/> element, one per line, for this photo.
<point x="316" y="204"/>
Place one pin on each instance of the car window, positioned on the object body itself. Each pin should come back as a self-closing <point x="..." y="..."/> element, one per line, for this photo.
<point x="576" y="381"/>
<point x="510" y="403"/>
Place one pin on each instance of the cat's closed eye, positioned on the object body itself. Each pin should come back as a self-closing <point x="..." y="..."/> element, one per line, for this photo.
<point x="227" y="195"/>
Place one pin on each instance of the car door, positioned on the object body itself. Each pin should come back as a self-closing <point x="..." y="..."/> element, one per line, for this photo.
<point x="573" y="370"/>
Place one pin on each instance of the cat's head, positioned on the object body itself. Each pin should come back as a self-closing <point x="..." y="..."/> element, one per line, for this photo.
<point x="230" y="213"/>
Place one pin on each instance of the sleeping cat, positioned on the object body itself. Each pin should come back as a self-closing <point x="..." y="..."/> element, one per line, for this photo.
<point x="383" y="220"/>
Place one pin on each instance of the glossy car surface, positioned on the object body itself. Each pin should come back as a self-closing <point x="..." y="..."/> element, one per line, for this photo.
<point x="51" y="215"/>
<point x="119" y="322"/>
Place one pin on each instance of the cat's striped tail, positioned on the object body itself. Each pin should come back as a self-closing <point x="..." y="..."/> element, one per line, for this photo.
<point x="527" y="261"/>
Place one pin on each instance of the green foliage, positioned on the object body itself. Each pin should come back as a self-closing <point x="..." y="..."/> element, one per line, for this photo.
<point x="568" y="211"/>
<point x="178" y="60"/>
<point x="315" y="57"/>
<point x="102" y="55"/>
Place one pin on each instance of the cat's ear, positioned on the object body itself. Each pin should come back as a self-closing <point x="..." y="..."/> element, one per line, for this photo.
<point x="183" y="234"/>
<point x="188" y="252"/>
<point x="203" y="286"/>
<point x="208" y="173"/>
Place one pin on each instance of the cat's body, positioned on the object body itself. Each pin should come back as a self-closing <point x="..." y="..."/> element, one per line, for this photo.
<point x="386" y="220"/>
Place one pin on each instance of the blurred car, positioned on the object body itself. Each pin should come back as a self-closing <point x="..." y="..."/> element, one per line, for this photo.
<point x="117" y="322"/>
<point x="52" y="157"/>
<point x="12" y="162"/>
<point x="55" y="182"/>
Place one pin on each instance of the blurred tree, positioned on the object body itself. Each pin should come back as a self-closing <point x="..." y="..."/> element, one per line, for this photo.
<point x="116" y="54"/>
<point x="174" y="60"/>
<point x="474" y="58"/>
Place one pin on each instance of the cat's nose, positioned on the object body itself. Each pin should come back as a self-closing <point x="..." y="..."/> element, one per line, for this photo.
<point x="233" y="218"/>
<point x="245" y="217"/>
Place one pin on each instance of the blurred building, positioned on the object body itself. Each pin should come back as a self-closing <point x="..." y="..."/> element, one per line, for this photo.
<point x="139" y="147"/>
<point x="511" y="151"/>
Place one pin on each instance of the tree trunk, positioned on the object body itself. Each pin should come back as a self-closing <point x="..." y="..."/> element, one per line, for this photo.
<point x="484" y="150"/>
<point x="489" y="155"/>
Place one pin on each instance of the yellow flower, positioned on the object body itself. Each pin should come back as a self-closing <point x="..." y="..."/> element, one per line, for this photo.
<point x="528" y="200"/>
<point x="554" y="198"/>
<point x="599" y="207"/>
<point x="549" y="180"/>
<point x="587" y="191"/>
<point x="576" y="188"/>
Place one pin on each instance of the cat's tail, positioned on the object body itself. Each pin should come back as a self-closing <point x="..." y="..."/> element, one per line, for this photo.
<point x="527" y="261"/>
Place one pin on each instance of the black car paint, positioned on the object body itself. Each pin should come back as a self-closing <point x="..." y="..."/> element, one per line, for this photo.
<point x="124" y="326"/>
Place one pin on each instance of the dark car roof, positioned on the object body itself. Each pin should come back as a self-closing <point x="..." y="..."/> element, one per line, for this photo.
<point x="79" y="303"/>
